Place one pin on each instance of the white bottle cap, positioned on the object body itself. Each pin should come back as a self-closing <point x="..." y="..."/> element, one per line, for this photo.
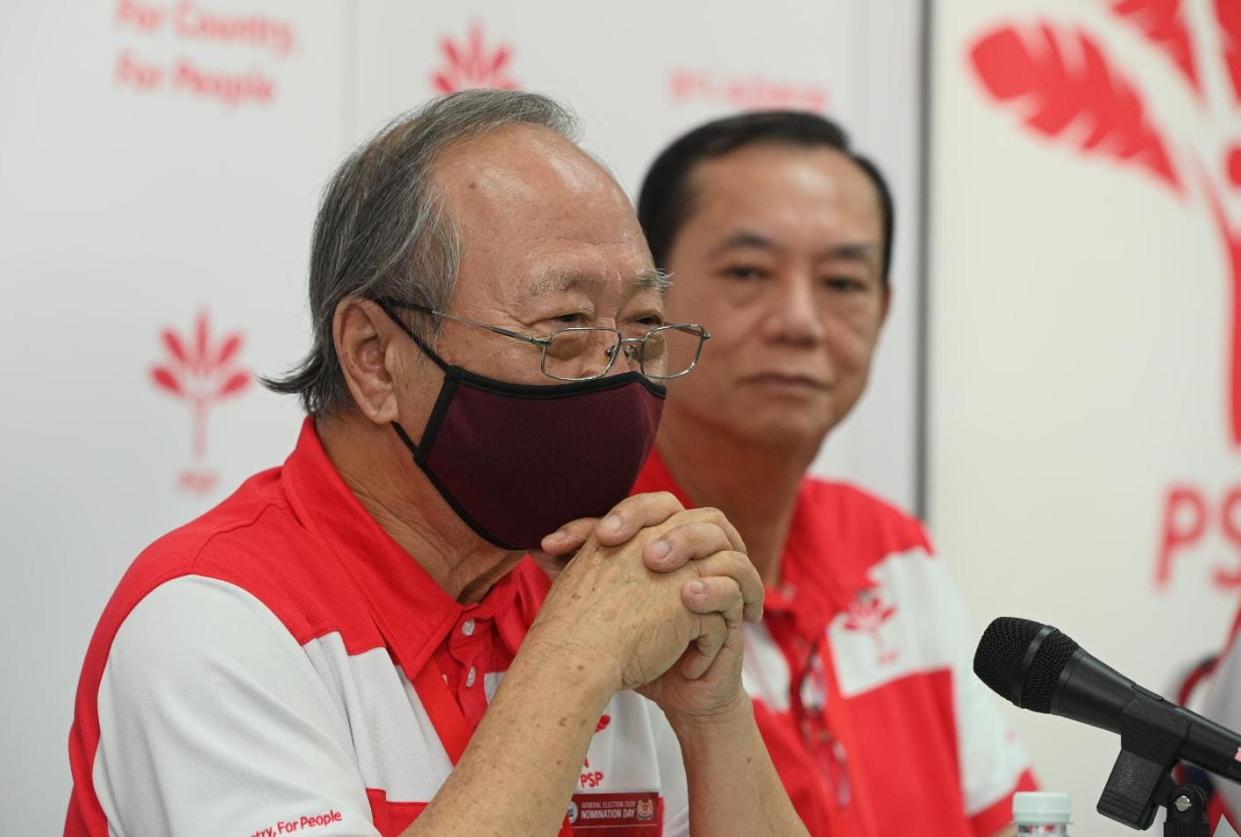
<point x="1041" y="808"/>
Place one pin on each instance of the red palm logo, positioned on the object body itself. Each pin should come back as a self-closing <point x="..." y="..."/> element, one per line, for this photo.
<point x="201" y="373"/>
<point x="1068" y="89"/>
<point x="868" y="614"/>
<point x="471" y="64"/>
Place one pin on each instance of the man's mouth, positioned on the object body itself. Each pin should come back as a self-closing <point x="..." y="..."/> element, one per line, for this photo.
<point x="788" y="380"/>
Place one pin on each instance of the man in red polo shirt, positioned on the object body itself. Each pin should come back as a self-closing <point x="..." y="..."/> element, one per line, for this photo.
<point x="778" y="239"/>
<point x="348" y="645"/>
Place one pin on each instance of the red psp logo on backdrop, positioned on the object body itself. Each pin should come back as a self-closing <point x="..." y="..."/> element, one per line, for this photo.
<point x="471" y="63"/>
<point x="746" y="92"/>
<point x="1069" y="90"/>
<point x="202" y="373"/>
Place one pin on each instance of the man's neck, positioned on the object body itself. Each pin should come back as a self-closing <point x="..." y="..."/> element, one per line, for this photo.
<point x="378" y="469"/>
<point x="755" y="485"/>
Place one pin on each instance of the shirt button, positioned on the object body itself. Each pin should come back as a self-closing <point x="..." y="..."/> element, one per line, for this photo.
<point x="470" y="677"/>
<point x="467" y="627"/>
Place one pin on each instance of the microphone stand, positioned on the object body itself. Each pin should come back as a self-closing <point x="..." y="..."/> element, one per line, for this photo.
<point x="1151" y="736"/>
<point x="1187" y="811"/>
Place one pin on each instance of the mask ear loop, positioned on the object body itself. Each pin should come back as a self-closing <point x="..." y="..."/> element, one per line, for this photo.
<point x="436" y="359"/>
<point x="409" y="443"/>
<point x="426" y="350"/>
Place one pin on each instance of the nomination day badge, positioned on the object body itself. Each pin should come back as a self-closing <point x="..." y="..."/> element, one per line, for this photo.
<point x="617" y="814"/>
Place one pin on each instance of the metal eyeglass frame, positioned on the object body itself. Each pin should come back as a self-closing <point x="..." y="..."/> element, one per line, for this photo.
<point x="544" y="342"/>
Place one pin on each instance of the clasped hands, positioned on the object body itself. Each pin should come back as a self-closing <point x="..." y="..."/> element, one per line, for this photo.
<point x="654" y="596"/>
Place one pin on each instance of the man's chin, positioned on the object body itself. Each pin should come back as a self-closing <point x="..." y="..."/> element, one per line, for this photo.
<point x="786" y="431"/>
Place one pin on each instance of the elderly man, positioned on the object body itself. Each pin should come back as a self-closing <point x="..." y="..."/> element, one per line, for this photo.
<point x="778" y="237"/>
<point x="348" y="645"/>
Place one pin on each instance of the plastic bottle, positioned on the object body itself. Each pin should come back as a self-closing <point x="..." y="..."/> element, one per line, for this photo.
<point x="1041" y="814"/>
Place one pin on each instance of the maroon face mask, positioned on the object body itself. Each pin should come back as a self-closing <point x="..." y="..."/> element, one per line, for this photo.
<point x="518" y="461"/>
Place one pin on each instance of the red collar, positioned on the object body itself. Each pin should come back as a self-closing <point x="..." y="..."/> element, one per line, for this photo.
<point x="411" y="609"/>
<point x="817" y="578"/>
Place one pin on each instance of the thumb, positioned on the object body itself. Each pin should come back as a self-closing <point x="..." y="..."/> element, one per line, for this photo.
<point x="568" y="538"/>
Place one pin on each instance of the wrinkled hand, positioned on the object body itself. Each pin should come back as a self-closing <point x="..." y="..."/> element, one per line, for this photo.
<point x="683" y="543"/>
<point x="700" y="551"/>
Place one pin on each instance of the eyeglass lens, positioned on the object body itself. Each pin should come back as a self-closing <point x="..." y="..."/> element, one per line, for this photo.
<point x="576" y="354"/>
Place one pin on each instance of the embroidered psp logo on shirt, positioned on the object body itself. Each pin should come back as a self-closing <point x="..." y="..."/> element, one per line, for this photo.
<point x="868" y="613"/>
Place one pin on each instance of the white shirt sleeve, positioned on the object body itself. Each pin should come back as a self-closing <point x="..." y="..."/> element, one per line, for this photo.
<point x="992" y="757"/>
<point x="213" y="722"/>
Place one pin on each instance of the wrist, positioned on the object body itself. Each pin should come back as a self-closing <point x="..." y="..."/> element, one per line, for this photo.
<point x="571" y="661"/>
<point x="736" y="714"/>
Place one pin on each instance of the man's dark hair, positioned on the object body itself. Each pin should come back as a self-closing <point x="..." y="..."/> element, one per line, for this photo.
<point x="666" y="199"/>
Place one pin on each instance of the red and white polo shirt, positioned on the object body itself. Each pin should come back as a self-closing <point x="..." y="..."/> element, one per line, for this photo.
<point x="861" y="677"/>
<point x="281" y="665"/>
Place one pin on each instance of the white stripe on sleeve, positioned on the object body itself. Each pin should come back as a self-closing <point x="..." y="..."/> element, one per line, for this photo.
<point x="992" y="757"/>
<point x="213" y="721"/>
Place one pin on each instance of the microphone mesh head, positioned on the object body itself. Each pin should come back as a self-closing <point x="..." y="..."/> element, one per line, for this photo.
<point x="1001" y="652"/>
<point x="997" y="661"/>
<point x="1044" y="671"/>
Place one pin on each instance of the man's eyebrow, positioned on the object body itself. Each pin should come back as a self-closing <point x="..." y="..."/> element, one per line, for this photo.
<point x="743" y="239"/>
<point x="653" y="279"/>
<point x="861" y="251"/>
<point x="648" y="280"/>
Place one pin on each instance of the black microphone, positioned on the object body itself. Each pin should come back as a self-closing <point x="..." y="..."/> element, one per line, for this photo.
<point x="1038" y="668"/>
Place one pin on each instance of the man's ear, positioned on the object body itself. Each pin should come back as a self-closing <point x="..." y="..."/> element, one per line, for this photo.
<point x="364" y="337"/>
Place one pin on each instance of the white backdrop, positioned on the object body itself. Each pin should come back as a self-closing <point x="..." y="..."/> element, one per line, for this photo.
<point x="160" y="161"/>
<point x="1083" y="444"/>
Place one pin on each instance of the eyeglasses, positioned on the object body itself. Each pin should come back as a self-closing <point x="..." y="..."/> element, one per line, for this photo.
<point x="575" y="352"/>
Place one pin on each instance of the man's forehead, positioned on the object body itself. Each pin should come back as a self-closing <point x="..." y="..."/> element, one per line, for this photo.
<point x="537" y="216"/>
<point x="754" y="175"/>
<point x="518" y="164"/>
<point x="829" y="213"/>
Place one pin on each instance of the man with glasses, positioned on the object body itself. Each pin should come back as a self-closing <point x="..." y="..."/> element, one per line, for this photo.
<point x="778" y="237"/>
<point x="353" y="643"/>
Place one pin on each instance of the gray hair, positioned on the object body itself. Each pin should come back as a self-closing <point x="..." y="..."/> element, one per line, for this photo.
<point x="383" y="229"/>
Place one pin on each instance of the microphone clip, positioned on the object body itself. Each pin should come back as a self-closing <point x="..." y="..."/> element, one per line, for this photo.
<point x="1151" y="736"/>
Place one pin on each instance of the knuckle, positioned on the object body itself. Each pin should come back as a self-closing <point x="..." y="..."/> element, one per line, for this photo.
<point x="673" y="538"/>
<point x="703" y="536"/>
<point x="714" y="515"/>
<point x="665" y="498"/>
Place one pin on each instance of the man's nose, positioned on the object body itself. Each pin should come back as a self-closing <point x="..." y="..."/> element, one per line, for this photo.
<point x="793" y="314"/>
